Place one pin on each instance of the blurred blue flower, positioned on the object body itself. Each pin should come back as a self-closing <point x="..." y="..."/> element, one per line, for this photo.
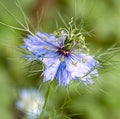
<point x="31" y="102"/>
<point x="60" y="63"/>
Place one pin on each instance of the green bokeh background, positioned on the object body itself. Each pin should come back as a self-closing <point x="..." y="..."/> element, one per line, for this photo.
<point x="101" y="20"/>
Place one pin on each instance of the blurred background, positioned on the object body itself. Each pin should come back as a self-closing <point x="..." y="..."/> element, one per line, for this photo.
<point x="100" y="20"/>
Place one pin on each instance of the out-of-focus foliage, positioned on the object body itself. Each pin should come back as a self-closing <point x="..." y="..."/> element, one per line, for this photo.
<point x="101" y="20"/>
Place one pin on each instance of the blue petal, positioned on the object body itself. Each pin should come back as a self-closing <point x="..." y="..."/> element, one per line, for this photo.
<point x="51" y="67"/>
<point x="82" y="69"/>
<point x="63" y="75"/>
<point x="50" y="39"/>
<point x="91" y="62"/>
<point x="77" y="69"/>
<point x="40" y="48"/>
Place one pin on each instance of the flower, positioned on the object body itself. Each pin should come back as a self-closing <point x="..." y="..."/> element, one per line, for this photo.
<point x="31" y="102"/>
<point x="61" y="62"/>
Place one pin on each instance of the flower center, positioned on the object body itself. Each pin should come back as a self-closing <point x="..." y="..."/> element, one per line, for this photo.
<point x="63" y="51"/>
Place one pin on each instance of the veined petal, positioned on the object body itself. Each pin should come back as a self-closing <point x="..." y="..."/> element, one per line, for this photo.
<point x="33" y="40"/>
<point x="39" y="39"/>
<point x="36" y="44"/>
<point x="77" y="69"/>
<point x="80" y="68"/>
<point x="49" y="39"/>
<point x="63" y="75"/>
<point x="39" y="49"/>
<point x="91" y="62"/>
<point x="51" y="55"/>
<point x="51" y="67"/>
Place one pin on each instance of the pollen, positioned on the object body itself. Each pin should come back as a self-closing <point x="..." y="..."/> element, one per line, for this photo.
<point x="65" y="52"/>
<point x="84" y="59"/>
<point x="44" y="38"/>
<point x="62" y="58"/>
<point x="46" y="47"/>
<point x="75" y="63"/>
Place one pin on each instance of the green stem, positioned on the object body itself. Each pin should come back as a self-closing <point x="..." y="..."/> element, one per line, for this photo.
<point x="46" y="100"/>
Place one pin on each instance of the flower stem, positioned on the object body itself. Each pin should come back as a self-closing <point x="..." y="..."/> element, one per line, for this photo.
<point x="46" y="100"/>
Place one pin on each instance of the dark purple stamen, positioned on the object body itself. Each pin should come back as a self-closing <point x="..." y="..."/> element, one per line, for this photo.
<point x="63" y="51"/>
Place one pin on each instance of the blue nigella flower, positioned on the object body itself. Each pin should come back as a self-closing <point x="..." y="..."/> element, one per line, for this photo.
<point x="60" y="62"/>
